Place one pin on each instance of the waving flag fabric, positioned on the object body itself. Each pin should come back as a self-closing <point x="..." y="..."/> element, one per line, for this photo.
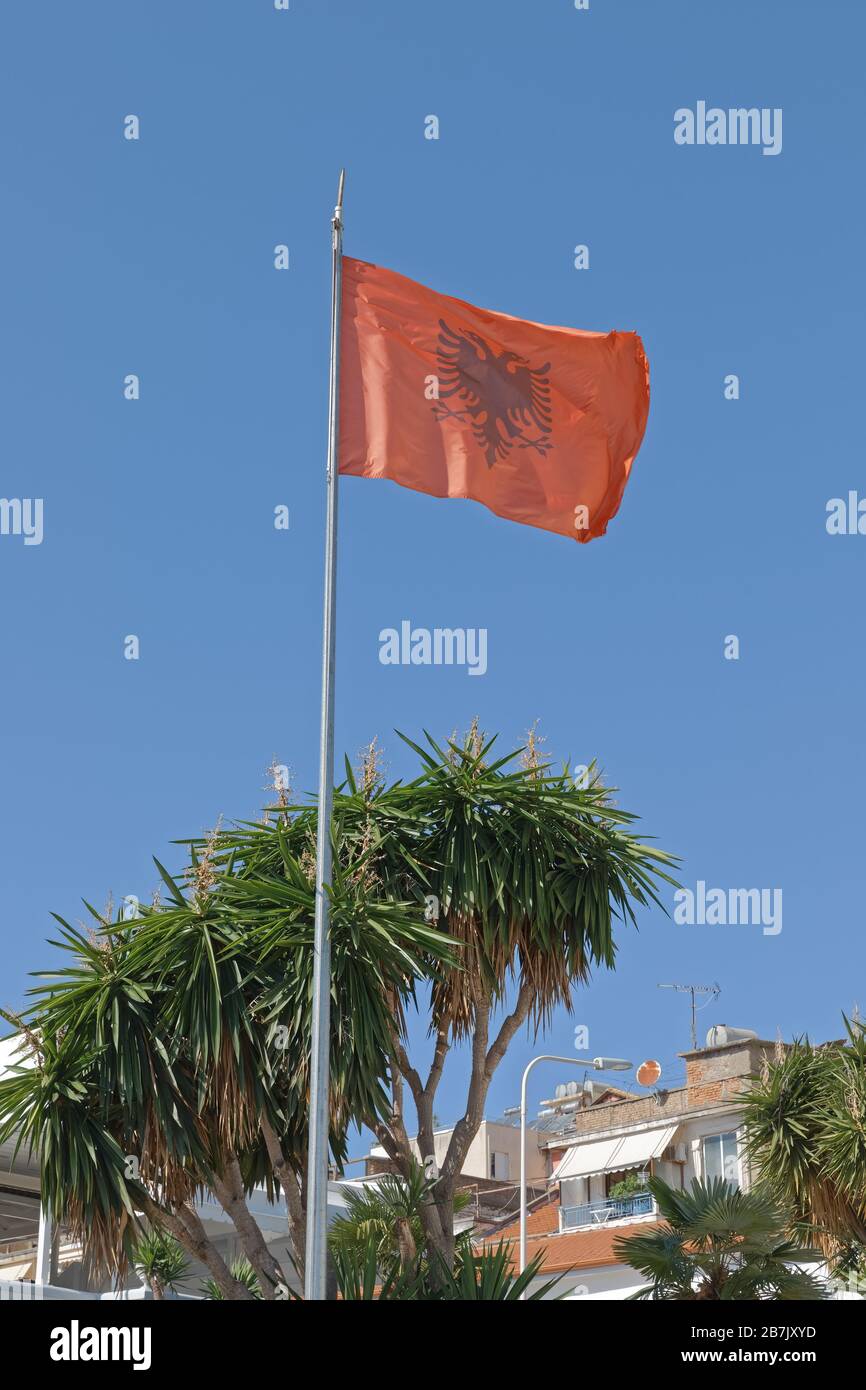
<point x="539" y="424"/>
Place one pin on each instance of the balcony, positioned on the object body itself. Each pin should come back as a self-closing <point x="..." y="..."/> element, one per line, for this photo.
<point x="603" y="1213"/>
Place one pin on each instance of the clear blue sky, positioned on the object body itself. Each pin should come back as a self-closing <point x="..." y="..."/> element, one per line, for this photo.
<point x="156" y="257"/>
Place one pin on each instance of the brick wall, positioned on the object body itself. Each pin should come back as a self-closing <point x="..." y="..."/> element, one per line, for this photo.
<point x="641" y="1110"/>
<point x="373" y="1167"/>
<point x="713" y="1077"/>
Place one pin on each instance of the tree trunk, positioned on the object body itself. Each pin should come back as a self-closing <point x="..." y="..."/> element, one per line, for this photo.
<point x="229" y="1191"/>
<point x="332" y="1290"/>
<point x="186" y="1228"/>
<point x="406" y="1248"/>
<point x="437" y="1217"/>
<point x="437" y="1213"/>
<point x="296" y="1215"/>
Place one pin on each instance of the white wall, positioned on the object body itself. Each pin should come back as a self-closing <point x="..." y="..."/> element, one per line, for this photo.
<point x="694" y="1131"/>
<point x="576" y="1191"/>
<point x="605" y="1282"/>
<point x="617" y="1281"/>
<point x="492" y="1137"/>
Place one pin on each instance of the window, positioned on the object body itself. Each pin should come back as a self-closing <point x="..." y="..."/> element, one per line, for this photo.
<point x="499" y="1166"/>
<point x="720" y="1157"/>
<point x="625" y="1183"/>
<point x="574" y="1192"/>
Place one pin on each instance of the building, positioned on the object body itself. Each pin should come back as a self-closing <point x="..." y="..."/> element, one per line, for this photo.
<point x="38" y="1261"/>
<point x="19" y="1198"/>
<point x="603" y="1151"/>
<point x="490" y="1170"/>
<point x="588" y="1156"/>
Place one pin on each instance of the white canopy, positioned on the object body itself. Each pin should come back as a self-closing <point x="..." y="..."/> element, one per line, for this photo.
<point x="583" y="1159"/>
<point x="611" y="1155"/>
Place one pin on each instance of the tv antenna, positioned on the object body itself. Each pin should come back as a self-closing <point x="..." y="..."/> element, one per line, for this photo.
<point x="694" y="990"/>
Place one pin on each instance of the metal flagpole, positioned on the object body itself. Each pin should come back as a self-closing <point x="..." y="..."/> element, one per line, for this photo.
<point x="315" y="1270"/>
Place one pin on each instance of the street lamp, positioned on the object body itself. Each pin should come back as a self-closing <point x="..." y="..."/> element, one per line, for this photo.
<point x="597" y="1064"/>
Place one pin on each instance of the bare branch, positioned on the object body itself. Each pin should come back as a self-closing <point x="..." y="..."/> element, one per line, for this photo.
<point x="405" y="1068"/>
<point x="510" y="1026"/>
<point x="484" y="1064"/>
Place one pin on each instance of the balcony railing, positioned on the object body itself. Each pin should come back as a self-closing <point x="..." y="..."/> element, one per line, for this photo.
<point x="612" y="1209"/>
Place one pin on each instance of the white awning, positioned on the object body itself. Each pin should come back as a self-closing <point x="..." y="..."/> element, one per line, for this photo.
<point x="637" y="1149"/>
<point x="583" y="1159"/>
<point x="611" y="1155"/>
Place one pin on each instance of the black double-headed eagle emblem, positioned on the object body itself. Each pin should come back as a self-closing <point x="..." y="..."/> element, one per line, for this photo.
<point x="504" y="400"/>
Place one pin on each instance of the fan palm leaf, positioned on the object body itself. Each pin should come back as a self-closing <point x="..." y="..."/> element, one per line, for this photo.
<point x="718" y="1242"/>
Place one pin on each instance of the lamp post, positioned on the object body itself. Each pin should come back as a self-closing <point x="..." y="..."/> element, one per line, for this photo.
<point x="597" y="1064"/>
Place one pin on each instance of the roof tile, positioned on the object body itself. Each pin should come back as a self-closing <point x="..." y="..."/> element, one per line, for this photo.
<point x="573" y="1249"/>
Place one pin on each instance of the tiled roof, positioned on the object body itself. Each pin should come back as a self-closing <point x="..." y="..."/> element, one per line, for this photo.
<point x="572" y="1250"/>
<point x="540" y="1220"/>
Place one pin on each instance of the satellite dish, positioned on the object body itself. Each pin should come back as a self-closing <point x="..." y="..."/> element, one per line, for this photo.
<point x="572" y="1088"/>
<point x="648" y="1072"/>
<point x="560" y="1093"/>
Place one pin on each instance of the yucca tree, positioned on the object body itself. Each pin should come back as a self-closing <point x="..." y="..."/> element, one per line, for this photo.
<point x="806" y="1139"/>
<point x="522" y="871"/>
<point x="161" y="1261"/>
<point x="171" y="1056"/>
<point x="378" y="1255"/>
<point x="385" y="1215"/>
<point x="483" y="1277"/>
<point x="718" y="1243"/>
<point x="243" y="1273"/>
<point x="488" y="1276"/>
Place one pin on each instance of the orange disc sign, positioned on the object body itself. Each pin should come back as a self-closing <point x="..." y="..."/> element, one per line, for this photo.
<point x="648" y="1073"/>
